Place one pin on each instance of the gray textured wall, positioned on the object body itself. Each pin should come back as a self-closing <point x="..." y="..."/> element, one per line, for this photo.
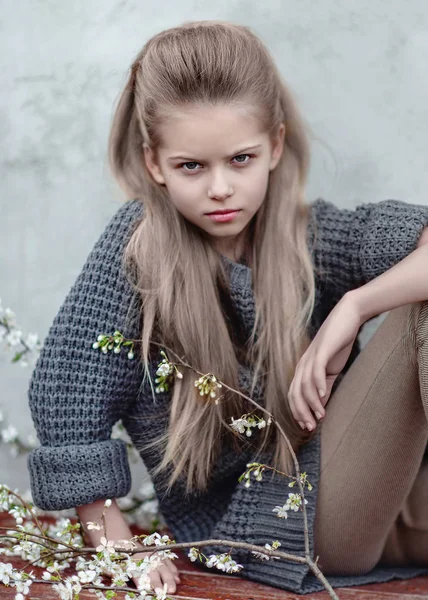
<point x="357" y="68"/>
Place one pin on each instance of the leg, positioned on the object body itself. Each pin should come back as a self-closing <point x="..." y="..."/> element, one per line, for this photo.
<point x="407" y="542"/>
<point x="373" y="439"/>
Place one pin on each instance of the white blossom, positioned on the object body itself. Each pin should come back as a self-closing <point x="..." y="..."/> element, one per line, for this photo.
<point x="6" y="571"/>
<point x="270" y="547"/>
<point x="156" y="539"/>
<point x="161" y="593"/>
<point x="193" y="554"/>
<point x="106" y="546"/>
<point x="223" y="562"/>
<point x="91" y="525"/>
<point x="239" y="425"/>
<point x="125" y="544"/>
<point x="281" y="511"/>
<point x="107" y="503"/>
<point x="14" y="336"/>
<point x="9" y="317"/>
<point x="32" y="341"/>
<point x="68" y="588"/>
<point x="9" y="434"/>
<point x="294" y="502"/>
<point x="22" y="587"/>
<point x="87" y="576"/>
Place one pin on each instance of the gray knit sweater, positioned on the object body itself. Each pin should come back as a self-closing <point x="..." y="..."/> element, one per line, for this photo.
<point x="76" y="393"/>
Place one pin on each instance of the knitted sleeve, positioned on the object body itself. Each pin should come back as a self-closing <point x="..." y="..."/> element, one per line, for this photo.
<point x="249" y="517"/>
<point x="76" y="392"/>
<point x="352" y="247"/>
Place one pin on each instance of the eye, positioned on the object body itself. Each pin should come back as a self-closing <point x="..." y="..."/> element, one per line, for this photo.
<point x="242" y="162"/>
<point x="196" y="163"/>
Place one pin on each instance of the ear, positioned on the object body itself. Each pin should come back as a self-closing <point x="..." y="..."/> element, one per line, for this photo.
<point x="277" y="146"/>
<point x="152" y="165"/>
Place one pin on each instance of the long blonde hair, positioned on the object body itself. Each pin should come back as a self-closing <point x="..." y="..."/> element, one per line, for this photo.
<point x="180" y="277"/>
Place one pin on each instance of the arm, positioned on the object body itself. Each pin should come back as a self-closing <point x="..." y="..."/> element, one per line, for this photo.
<point x="76" y="393"/>
<point x="352" y="247"/>
<point x="116" y="526"/>
<point x="318" y="368"/>
<point x="404" y="283"/>
<point x="118" y="529"/>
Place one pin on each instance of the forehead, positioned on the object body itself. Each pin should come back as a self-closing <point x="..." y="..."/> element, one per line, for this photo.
<point x="210" y="131"/>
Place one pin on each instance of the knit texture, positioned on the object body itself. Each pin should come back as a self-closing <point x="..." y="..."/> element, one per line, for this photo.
<point x="76" y="394"/>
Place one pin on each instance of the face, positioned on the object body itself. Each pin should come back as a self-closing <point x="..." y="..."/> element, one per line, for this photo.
<point x="216" y="159"/>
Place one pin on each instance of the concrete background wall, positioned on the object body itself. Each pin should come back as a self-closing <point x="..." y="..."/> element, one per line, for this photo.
<point x="358" y="69"/>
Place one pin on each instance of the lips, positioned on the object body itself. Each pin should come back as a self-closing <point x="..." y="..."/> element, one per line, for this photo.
<point x="223" y="212"/>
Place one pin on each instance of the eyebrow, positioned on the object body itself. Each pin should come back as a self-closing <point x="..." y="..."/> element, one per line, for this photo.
<point x="171" y="158"/>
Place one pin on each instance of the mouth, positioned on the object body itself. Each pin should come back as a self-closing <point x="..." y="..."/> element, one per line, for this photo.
<point x="224" y="212"/>
<point x="223" y="216"/>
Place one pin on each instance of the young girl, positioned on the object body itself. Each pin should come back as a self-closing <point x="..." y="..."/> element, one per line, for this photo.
<point x="215" y="256"/>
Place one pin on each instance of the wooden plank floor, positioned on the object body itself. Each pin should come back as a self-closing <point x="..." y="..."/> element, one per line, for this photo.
<point x="198" y="584"/>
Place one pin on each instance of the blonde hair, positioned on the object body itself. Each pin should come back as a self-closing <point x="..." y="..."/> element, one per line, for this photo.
<point x="180" y="277"/>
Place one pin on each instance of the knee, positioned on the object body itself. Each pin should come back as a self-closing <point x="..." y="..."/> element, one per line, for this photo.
<point x="344" y="557"/>
<point x="346" y="552"/>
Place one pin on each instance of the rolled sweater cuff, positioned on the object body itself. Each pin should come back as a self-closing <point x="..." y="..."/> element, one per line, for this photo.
<point x="68" y="476"/>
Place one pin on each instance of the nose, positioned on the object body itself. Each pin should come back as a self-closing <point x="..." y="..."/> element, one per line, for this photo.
<point x="220" y="188"/>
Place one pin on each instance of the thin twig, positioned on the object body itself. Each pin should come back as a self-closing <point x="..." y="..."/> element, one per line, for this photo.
<point x="318" y="573"/>
<point x="46" y="538"/>
<point x="27" y="506"/>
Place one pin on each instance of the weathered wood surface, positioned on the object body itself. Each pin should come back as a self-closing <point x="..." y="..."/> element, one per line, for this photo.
<point x="197" y="584"/>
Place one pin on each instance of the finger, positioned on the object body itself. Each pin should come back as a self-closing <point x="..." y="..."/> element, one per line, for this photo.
<point x="310" y="393"/>
<point x="300" y="406"/>
<point x="320" y="380"/>
<point x="173" y="570"/>
<point x="171" y="565"/>
<point x="155" y="579"/>
<point x="168" y="578"/>
<point x="291" y="400"/>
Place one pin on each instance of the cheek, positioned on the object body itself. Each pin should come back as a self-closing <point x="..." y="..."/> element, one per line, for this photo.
<point x="185" y="200"/>
<point x="259" y="187"/>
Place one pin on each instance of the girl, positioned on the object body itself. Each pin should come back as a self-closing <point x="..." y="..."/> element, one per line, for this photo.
<point x="217" y="257"/>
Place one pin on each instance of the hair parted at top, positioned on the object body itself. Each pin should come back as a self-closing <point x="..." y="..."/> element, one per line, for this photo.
<point x="180" y="278"/>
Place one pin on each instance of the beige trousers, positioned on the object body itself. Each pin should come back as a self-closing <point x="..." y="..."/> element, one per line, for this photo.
<point x="373" y="495"/>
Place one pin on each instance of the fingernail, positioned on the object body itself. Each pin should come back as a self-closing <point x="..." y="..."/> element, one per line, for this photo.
<point x="318" y="415"/>
<point x="302" y="425"/>
<point x="309" y="426"/>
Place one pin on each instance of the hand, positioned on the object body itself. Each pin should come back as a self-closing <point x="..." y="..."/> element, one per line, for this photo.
<point x="166" y="573"/>
<point x="322" y="362"/>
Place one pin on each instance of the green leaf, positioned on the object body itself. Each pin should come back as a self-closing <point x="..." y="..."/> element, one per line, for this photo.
<point x="18" y="356"/>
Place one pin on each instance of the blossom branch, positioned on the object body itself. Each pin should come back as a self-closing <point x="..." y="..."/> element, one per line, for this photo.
<point x="280" y="429"/>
